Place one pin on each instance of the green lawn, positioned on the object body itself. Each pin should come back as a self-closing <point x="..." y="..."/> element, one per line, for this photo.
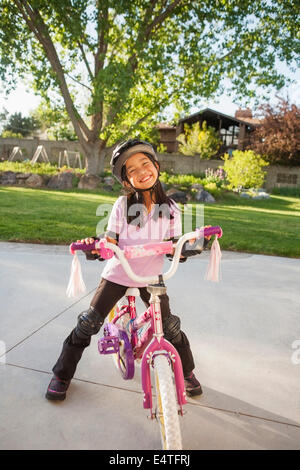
<point x="45" y="216"/>
<point x="59" y="217"/>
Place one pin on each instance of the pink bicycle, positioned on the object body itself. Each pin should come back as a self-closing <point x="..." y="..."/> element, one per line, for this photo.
<point x="132" y="338"/>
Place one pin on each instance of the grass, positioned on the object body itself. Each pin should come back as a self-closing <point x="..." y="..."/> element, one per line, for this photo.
<point x="267" y="226"/>
<point x="270" y="226"/>
<point x="49" y="216"/>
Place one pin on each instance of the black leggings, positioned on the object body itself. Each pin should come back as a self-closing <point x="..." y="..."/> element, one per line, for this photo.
<point x="106" y="296"/>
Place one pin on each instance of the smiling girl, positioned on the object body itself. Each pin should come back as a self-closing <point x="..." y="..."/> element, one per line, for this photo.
<point x="135" y="165"/>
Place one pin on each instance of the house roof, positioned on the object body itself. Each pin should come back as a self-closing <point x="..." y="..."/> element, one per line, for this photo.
<point x="214" y="117"/>
<point x="250" y="120"/>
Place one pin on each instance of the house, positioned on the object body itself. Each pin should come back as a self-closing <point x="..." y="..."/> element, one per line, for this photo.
<point x="234" y="131"/>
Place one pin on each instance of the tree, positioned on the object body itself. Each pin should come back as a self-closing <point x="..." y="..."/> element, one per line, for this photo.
<point x="16" y="124"/>
<point x="278" y="136"/>
<point x="205" y="141"/>
<point x="133" y="58"/>
<point x="54" y="122"/>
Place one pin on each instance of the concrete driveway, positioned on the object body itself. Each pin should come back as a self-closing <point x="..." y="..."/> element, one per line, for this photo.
<point x="244" y="333"/>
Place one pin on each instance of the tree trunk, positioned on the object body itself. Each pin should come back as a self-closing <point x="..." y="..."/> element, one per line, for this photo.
<point x="94" y="157"/>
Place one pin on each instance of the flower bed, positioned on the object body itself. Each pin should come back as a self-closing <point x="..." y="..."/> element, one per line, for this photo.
<point x="46" y="175"/>
<point x="211" y="181"/>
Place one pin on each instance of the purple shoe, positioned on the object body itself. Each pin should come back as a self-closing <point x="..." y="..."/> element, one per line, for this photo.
<point x="192" y="385"/>
<point x="57" y="388"/>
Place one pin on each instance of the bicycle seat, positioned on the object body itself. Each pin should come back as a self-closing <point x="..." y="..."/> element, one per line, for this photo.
<point x="133" y="291"/>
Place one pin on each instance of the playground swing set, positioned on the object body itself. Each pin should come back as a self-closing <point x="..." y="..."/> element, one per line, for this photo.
<point x="40" y="153"/>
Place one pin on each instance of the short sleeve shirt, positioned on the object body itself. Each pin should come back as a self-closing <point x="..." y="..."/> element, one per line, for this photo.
<point x="152" y="229"/>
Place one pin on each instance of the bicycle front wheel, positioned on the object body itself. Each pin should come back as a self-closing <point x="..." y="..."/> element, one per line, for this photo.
<point x="166" y="405"/>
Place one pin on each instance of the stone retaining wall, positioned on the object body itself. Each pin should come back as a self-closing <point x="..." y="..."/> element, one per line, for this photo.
<point x="277" y="175"/>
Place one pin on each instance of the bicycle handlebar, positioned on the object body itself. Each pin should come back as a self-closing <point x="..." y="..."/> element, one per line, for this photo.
<point x="107" y="250"/>
<point x="96" y="245"/>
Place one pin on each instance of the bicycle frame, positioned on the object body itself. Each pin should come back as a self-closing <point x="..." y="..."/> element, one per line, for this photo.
<point x="150" y="344"/>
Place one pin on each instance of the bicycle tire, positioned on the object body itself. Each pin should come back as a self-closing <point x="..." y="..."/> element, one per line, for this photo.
<point x="166" y="405"/>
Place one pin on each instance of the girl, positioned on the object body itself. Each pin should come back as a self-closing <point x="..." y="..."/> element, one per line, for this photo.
<point x="134" y="164"/>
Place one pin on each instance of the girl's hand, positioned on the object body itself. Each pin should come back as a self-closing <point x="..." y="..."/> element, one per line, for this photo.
<point x="207" y="226"/>
<point x="109" y="240"/>
<point x="192" y="241"/>
<point x="89" y="241"/>
<point x="207" y="238"/>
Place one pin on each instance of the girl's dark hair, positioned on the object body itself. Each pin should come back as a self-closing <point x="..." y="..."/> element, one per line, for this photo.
<point x="158" y="196"/>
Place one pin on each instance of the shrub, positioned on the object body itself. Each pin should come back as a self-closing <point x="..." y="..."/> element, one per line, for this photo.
<point x="7" y="134"/>
<point x="244" y="170"/>
<point x="180" y="180"/>
<point x="212" y="188"/>
<point x="205" y="142"/>
<point x="213" y="182"/>
<point x="161" y="148"/>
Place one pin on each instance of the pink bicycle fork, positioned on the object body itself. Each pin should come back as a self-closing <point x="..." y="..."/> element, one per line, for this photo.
<point x="157" y="346"/>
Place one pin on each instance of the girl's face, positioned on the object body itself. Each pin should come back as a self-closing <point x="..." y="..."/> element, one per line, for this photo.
<point x="141" y="172"/>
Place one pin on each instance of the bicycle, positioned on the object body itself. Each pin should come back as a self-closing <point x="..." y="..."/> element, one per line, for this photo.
<point x="132" y="338"/>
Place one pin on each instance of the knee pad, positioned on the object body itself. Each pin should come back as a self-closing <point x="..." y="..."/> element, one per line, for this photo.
<point x="171" y="327"/>
<point x="88" y="324"/>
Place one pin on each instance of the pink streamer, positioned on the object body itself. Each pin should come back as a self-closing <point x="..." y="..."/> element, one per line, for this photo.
<point x="76" y="283"/>
<point x="213" y="269"/>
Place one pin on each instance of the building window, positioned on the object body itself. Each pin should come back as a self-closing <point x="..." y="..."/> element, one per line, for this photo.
<point x="287" y="179"/>
<point x="229" y="136"/>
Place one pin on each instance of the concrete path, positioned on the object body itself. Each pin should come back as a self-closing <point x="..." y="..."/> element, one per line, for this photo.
<point x="244" y="333"/>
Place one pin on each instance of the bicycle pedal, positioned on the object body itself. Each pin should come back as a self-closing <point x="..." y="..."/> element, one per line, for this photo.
<point x="108" y="345"/>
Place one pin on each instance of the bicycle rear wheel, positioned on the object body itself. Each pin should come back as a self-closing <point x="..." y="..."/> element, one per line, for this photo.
<point x="166" y="405"/>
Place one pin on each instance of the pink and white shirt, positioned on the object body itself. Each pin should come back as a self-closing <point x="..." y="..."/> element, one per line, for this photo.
<point x="129" y="234"/>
